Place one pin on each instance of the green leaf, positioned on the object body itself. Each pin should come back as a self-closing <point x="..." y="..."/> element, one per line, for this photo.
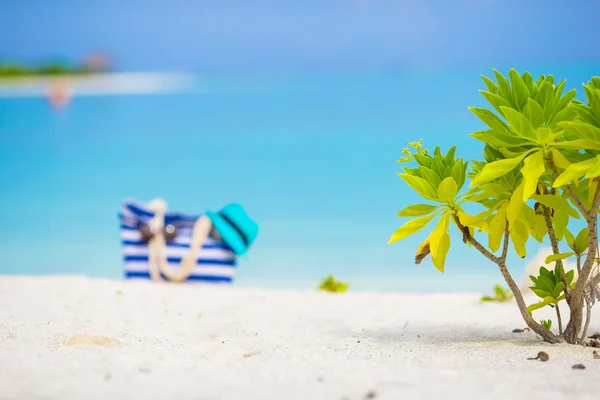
<point x="532" y="169"/>
<point x="430" y="176"/>
<point x="570" y="275"/>
<point x="497" y="169"/>
<point x="440" y="258"/>
<point x="579" y="144"/>
<point x="566" y="114"/>
<point x="490" y="119"/>
<point x="458" y="173"/>
<point x="411" y="227"/>
<point x="518" y="123"/>
<point x="560" y="160"/>
<point x="495" y="100"/>
<point x="546" y="323"/>
<point x="557" y="203"/>
<point x="514" y="205"/>
<point x="438" y="165"/>
<point x="547" y="283"/>
<point x="417" y="210"/>
<point x="519" y="236"/>
<point x="546" y="136"/>
<point x="449" y="159"/>
<point x="534" y="113"/>
<point x="496" y="229"/>
<point x="498" y="139"/>
<point x="436" y="235"/>
<point x="558" y="289"/>
<point x="540" y="80"/>
<point x="420" y="186"/>
<point x="528" y="79"/>
<point x="474" y="221"/>
<point x="541" y="294"/>
<point x="503" y="85"/>
<point x="566" y="99"/>
<point x="556" y="257"/>
<point x="535" y="224"/>
<point x="584" y="112"/>
<point x="447" y="190"/>
<point x="545" y="272"/>
<point x="424" y="160"/>
<point x="489" y="84"/>
<point x="576" y="171"/>
<point x="559" y="88"/>
<point x="582" y="241"/>
<point x="519" y="90"/>
<point x="594" y="172"/>
<point x="570" y="239"/>
<point x="545" y="98"/>
<point x="582" y="130"/>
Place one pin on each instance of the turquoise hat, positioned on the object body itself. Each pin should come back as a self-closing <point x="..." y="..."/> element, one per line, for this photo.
<point x="236" y="228"/>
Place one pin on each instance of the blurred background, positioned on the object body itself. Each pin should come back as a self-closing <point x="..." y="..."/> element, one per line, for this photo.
<point x="295" y="109"/>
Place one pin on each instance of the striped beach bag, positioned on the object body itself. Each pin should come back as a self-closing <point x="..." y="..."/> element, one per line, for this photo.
<point x="176" y="247"/>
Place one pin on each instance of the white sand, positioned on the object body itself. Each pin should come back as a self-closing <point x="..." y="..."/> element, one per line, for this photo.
<point x="191" y="342"/>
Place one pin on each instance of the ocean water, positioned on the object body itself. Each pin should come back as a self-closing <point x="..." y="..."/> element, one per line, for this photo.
<point x="311" y="158"/>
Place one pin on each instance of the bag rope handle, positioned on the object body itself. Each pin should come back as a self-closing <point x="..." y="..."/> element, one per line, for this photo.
<point x="157" y="258"/>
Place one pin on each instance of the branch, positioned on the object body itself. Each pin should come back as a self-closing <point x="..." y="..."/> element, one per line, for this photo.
<point x="592" y="218"/>
<point x="555" y="249"/>
<point x="501" y="262"/>
<point x="595" y="281"/>
<point x="467" y="237"/>
<point x="567" y="187"/>
<point x="560" y="331"/>
<point x="588" y="317"/>
<point x="505" y="245"/>
<point x="537" y="328"/>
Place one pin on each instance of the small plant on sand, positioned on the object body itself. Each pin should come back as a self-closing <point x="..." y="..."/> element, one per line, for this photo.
<point x="329" y="284"/>
<point x="501" y="295"/>
<point x="540" y="170"/>
<point x="546" y="323"/>
<point x="549" y="286"/>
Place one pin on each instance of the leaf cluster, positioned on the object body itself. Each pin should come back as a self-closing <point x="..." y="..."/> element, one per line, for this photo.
<point x="501" y="295"/>
<point x="329" y="284"/>
<point x="538" y="141"/>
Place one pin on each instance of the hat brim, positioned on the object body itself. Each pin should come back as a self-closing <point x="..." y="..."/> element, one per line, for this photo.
<point x="227" y="233"/>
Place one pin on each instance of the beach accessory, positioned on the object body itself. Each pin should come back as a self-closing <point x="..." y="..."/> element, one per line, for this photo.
<point x="235" y="227"/>
<point x="161" y="245"/>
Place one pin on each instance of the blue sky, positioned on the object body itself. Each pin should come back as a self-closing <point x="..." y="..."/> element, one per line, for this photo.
<point x="276" y="35"/>
<point x="299" y="112"/>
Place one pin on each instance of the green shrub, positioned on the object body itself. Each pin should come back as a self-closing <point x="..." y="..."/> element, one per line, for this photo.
<point x="329" y="284"/>
<point x="501" y="295"/>
<point x="540" y="169"/>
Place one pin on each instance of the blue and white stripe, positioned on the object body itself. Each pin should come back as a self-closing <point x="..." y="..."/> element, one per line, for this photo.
<point x="215" y="261"/>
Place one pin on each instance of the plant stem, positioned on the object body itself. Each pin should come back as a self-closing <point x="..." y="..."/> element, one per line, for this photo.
<point x="567" y="187"/>
<point x="501" y="262"/>
<point x="576" y="301"/>
<point x="560" y="330"/>
<point x="588" y="303"/>
<point x="588" y="264"/>
<point x="555" y="249"/>
<point x="474" y="242"/>
<point x="588" y="317"/>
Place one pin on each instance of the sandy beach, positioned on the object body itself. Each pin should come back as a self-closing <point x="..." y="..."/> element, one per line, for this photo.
<point x="79" y="338"/>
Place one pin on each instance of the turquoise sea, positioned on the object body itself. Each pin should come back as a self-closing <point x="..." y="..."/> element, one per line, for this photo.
<point x="311" y="157"/>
